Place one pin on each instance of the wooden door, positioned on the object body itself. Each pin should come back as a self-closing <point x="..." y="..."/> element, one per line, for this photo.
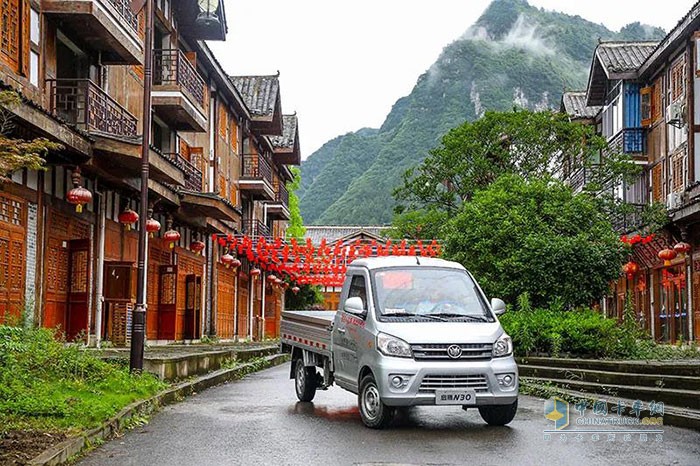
<point x="57" y="264"/>
<point x="225" y="293"/>
<point x="241" y="330"/>
<point x="193" y="297"/>
<point x="12" y="258"/>
<point x="77" y="320"/>
<point x="12" y="20"/>
<point x="167" y="302"/>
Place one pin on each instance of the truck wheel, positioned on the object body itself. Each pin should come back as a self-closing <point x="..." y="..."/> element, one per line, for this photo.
<point x="305" y="381"/>
<point x="375" y="414"/>
<point x="498" y="415"/>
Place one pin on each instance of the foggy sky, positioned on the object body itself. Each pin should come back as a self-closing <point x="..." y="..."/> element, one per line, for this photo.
<point x="344" y="63"/>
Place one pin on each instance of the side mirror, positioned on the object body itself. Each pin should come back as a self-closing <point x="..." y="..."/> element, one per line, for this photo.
<point x="354" y="306"/>
<point x="498" y="306"/>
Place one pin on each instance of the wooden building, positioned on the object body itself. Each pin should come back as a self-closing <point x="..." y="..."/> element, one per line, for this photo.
<point x="218" y="165"/>
<point x="643" y="97"/>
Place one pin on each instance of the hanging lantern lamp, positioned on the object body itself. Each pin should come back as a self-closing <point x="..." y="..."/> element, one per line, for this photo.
<point x="197" y="246"/>
<point x="667" y="255"/>
<point x="630" y="269"/>
<point x="127" y="218"/>
<point x="682" y="248"/>
<point x="79" y="195"/>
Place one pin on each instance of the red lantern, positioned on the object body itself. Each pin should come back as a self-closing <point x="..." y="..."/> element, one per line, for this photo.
<point x="630" y="269"/>
<point x="682" y="248"/>
<point x="172" y="237"/>
<point x="254" y="272"/>
<point x="667" y="255"/>
<point x="227" y="259"/>
<point x="78" y="195"/>
<point x="152" y="226"/>
<point x="235" y="263"/>
<point x="197" y="246"/>
<point x="295" y="289"/>
<point x="271" y="278"/>
<point x="128" y="218"/>
<point x="278" y="281"/>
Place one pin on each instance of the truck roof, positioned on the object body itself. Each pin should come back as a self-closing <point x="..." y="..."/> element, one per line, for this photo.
<point x="404" y="261"/>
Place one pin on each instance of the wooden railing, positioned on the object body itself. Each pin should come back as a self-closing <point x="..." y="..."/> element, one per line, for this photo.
<point x="583" y="176"/>
<point x="123" y="9"/>
<point x="193" y="175"/>
<point x="83" y="103"/>
<point x="255" y="228"/>
<point x="282" y="195"/>
<point x="257" y="166"/>
<point x="171" y="66"/>
<point x="629" y="219"/>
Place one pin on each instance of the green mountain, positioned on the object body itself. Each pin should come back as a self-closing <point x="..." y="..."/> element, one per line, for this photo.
<point x="514" y="55"/>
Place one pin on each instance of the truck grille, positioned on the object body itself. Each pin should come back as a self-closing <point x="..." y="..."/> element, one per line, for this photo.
<point x="470" y="351"/>
<point x="430" y="383"/>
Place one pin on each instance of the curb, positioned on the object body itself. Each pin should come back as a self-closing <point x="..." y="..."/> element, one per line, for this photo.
<point x="61" y="453"/>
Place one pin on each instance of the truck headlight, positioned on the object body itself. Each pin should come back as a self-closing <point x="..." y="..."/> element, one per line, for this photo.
<point x="503" y="347"/>
<point x="392" y="346"/>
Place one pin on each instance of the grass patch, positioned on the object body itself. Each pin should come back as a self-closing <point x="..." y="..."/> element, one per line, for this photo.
<point x="48" y="385"/>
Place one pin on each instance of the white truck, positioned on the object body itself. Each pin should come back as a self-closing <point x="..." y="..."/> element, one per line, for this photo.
<point x="410" y="331"/>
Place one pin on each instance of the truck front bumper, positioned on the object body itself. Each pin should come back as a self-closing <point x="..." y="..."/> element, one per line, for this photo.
<point x="417" y="375"/>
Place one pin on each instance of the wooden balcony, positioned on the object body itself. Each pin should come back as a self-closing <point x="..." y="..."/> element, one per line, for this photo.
<point x="178" y="91"/>
<point x="583" y="176"/>
<point x="629" y="219"/>
<point x="84" y="104"/>
<point x="630" y="141"/>
<point x="255" y="228"/>
<point x="108" y="26"/>
<point x="257" y="177"/>
<point x="278" y="209"/>
<point x="193" y="175"/>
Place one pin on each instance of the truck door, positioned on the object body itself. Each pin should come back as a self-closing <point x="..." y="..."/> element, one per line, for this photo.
<point x="349" y="332"/>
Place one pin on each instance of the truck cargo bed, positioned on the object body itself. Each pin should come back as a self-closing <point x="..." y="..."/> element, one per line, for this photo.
<point x="308" y="329"/>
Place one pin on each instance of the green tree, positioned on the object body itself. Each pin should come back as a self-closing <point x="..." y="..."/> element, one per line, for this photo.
<point x="523" y="235"/>
<point x="16" y="154"/>
<point x="296" y="228"/>
<point x="307" y="298"/>
<point x="424" y="224"/>
<point x="530" y="144"/>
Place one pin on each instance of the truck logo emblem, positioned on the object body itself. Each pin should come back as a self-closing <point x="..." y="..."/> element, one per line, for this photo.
<point x="454" y="351"/>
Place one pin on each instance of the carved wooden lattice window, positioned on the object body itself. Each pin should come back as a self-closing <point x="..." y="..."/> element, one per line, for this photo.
<point x="223" y="120"/>
<point x="11" y="211"/>
<point x="657" y="183"/>
<point x="678" y="80"/>
<point x="4" y="264"/>
<point x="10" y="18"/>
<point x="677" y="173"/>
<point x="167" y="288"/>
<point x="656" y="101"/>
<point x="79" y="274"/>
<point x="223" y="186"/>
<point x="234" y="135"/>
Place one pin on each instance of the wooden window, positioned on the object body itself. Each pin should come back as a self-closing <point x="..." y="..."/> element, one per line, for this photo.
<point x="677" y="184"/>
<point x="657" y="183"/>
<point x="645" y="94"/>
<point x="678" y="79"/>
<point x="223" y="185"/>
<point x="223" y="120"/>
<point x="10" y="23"/>
<point x="34" y="47"/>
<point x="656" y="101"/>
<point x="184" y="150"/>
<point x="234" y="135"/>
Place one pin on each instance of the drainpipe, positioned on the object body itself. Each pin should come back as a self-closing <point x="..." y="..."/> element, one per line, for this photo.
<point x="99" y="275"/>
<point x="235" y="305"/>
<point x="251" y="290"/>
<point x="262" y="306"/>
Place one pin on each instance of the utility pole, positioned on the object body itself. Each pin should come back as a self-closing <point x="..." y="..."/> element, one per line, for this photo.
<point x="138" y="321"/>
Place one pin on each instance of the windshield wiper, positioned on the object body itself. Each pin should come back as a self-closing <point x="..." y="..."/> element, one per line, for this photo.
<point x="411" y="314"/>
<point x="461" y="316"/>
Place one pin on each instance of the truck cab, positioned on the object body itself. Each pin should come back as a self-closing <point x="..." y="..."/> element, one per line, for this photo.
<point x="415" y="331"/>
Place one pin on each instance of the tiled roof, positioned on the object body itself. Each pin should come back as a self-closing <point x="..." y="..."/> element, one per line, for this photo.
<point x="574" y="104"/>
<point x="259" y="93"/>
<point x="334" y="233"/>
<point x="623" y="57"/>
<point x="289" y="133"/>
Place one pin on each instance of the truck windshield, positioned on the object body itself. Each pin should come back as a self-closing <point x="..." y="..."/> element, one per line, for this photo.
<point x="429" y="293"/>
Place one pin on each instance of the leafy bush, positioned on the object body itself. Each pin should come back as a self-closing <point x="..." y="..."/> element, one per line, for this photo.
<point x="46" y="384"/>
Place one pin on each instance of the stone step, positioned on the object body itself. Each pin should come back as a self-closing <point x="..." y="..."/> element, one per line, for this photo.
<point x="673" y="415"/>
<point x="680" y="382"/>
<point x="686" y="368"/>
<point x="674" y="397"/>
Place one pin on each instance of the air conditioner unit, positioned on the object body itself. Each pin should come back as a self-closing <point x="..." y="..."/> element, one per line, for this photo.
<point x="674" y="201"/>
<point x="676" y="113"/>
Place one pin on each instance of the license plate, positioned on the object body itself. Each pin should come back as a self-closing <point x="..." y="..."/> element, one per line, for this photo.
<point x="455" y="397"/>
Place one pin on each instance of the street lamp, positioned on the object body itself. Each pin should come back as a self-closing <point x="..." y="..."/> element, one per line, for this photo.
<point x="207" y="13"/>
<point x="138" y="321"/>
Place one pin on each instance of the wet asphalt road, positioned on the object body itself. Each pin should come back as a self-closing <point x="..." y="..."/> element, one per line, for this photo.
<point x="258" y="421"/>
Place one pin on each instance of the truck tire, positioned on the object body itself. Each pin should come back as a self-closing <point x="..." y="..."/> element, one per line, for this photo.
<point x="305" y="381"/>
<point x="375" y="414"/>
<point x="498" y="415"/>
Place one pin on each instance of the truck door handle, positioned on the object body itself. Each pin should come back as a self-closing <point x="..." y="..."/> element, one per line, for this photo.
<point x="341" y="330"/>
